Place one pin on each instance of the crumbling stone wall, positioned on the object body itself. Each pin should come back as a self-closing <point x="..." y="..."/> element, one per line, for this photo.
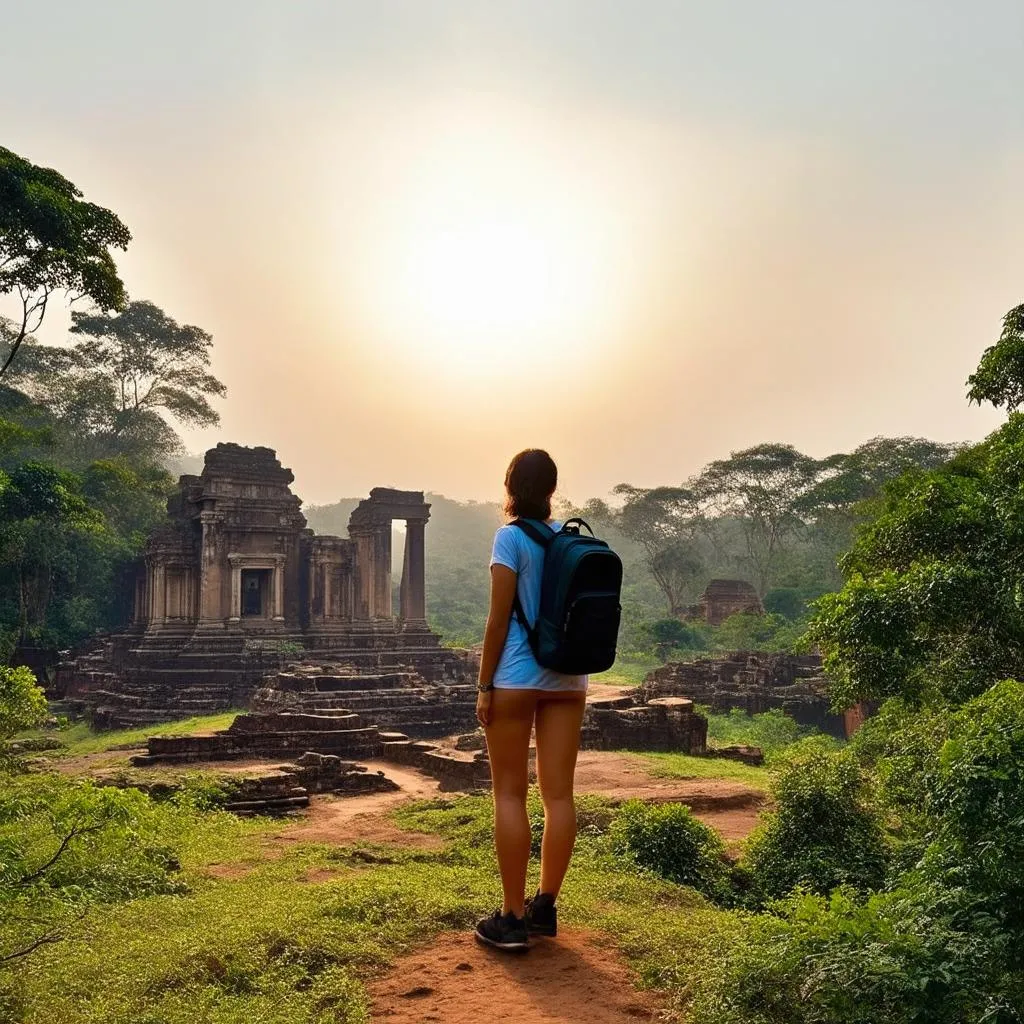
<point x="662" y="723"/>
<point x="754" y="681"/>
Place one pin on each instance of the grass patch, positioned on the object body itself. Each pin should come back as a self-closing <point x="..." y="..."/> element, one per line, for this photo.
<point x="80" y="738"/>
<point x="627" y="672"/>
<point x="686" y="766"/>
<point x="268" y="946"/>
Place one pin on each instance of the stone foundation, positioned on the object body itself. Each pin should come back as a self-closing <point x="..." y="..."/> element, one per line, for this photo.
<point x="754" y="681"/>
<point x="663" y="723"/>
<point x="455" y="770"/>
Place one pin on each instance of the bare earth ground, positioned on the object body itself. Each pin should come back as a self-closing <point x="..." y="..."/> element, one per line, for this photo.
<point x="728" y="806"/>
<point x="578" y="976"/>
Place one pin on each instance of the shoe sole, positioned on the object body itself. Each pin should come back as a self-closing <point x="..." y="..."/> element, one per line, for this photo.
<point x="548" y="933"/>
<point x="507" y="947"/>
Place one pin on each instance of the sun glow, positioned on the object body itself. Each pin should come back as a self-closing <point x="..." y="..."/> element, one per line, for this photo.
<point x="493" y="242"/>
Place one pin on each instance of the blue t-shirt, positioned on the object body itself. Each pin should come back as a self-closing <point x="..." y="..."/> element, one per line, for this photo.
<point x="518" y="668"/>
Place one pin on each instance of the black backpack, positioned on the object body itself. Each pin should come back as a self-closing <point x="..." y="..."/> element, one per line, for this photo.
<point x="578" y="625"/>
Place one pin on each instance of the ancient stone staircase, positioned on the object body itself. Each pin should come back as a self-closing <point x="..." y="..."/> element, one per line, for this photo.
<point x="394" y="700"/>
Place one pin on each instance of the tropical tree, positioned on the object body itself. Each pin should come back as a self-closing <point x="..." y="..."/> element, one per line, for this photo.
<point x="931" y="609"/>
<point x="45" y="527"/>
<point x="761" y="489"/>
<point x="51" y="240"/>
<point x="665" y="522"/>
<point x="116" y="388"/>
<point x="999" y="378"/>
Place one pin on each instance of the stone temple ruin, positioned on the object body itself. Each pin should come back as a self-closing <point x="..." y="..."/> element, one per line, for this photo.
<point x="722" y="598"/>
<point x="233" y="587"/>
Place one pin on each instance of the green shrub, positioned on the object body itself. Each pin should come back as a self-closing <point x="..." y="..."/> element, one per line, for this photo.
<point x="978" y="801"/>
<point x="746" y="631"/>
<point x="669" y="840"/>
<point x="901" y="957"/>
<point x="824" y="831"/>
<point x="22" y="702"/>
<point x="772" y="731"/>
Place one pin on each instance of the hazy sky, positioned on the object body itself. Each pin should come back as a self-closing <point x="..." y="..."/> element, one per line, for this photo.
<point x="642" y="234"/>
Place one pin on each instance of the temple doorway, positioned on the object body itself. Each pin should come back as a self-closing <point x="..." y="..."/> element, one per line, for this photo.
<point x="255" y="592"/>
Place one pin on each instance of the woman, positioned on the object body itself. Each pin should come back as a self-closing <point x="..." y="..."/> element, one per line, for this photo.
<point x="516" y="695"/>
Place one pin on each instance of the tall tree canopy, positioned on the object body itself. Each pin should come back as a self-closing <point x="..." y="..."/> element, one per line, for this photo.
<point x="664" y="521"/>
<point x="761" y="488"/>
<point x="117" y="386"/>
<point x="51" y="240"/>
<point x="933" y="603"/>
<point x="999" y="378"/>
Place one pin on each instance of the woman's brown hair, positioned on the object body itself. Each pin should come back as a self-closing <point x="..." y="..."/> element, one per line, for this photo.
<point x="529" y="483"/>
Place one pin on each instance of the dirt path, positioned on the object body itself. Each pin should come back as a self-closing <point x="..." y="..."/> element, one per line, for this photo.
<point x="579" y="976"/>
<point x="342" y="820"/>
<point x="728" y="806"/>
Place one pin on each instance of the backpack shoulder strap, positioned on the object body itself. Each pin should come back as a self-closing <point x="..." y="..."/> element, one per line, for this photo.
<point x="541" y="534"/>
<point x="538" y="532"/>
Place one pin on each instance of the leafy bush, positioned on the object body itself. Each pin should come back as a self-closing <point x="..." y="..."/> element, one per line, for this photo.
<point x="22" y="702"/>
<point x="978" y="801"/>
<point x="824" y="831"/>
<point x="669" y="840"/>
<point x="746" y="631"/>
<point x="901" y="957"/>
<point x="668" y="635"/>
<point x="772" y="731"/>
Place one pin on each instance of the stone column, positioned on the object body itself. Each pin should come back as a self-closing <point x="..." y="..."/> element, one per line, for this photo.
<point x="382" y="572"/>
<point x="278" y="581"/>
<point x="159" y="615"/>
<point x="345" y="592"/>
<point x="414" y="574"/>
<point x="236" y="593"/>
<point x="211" y="614"/>
<point x="326" y="568"/>
<point x="365" y="576"/>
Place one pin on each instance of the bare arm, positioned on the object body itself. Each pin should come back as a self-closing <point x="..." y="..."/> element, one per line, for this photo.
<point x="503" y="593"/>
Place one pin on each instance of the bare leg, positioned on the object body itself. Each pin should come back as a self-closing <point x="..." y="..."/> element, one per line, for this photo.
<point x="508" y="748"/>
<point x="558" y="741"/>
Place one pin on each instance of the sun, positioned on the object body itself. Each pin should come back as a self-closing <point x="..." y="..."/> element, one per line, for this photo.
<point x="494" y="278"/>
<point x="490" y="244"/>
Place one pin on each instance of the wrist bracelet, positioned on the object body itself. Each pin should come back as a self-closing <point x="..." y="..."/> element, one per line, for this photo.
<point x="482" y="688"/>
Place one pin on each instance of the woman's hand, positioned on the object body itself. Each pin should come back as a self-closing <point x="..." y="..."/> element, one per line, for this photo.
<point x="483" y="706"/>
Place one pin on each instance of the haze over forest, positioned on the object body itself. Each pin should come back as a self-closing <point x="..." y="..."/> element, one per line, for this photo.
<point x="407" y="225"/>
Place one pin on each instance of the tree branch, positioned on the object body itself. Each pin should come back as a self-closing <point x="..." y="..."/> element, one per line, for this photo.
<point x="75" y="831"/>
<point x="48" y="938"/>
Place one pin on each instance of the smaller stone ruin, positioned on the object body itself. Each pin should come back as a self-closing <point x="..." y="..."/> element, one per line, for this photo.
<point x="754" y="681"/>
<point x="661" y="723"/>
<point x="723" y="598"/>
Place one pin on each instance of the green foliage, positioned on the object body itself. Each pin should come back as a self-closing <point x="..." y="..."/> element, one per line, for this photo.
<point x="50" y="241"/>
<point x="66" y="846"/>
<point x="22" y="701"/>
<point x="669" y="840"/>
<point x="931" y="609"/>
<point x="999" y="378"/>
<point x="668" y="635"/>
<point x="901" y="957"/>
<point x="824" y="832"/>
<point x="977" y="799"/>
<point x="746" y="631"/>
<point x="773" y="731"/>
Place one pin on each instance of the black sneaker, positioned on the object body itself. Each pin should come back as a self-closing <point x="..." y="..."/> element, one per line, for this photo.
<point x="542" y="915"/>
<point x="503" y="931"/>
